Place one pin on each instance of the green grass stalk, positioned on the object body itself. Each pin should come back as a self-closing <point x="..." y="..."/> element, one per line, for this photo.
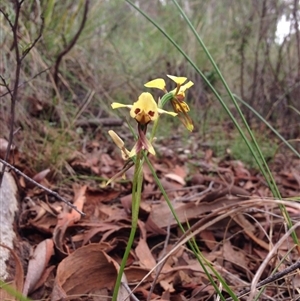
<point x="12" y="291"/>
<point x="136" y="198"/>
<point x="263" y="166"/>
<point x="269" y="126"/>
<point x="260" y="160"/>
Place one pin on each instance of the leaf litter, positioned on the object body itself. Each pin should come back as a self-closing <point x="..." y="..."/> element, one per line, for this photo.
<point x="77" y="257"/>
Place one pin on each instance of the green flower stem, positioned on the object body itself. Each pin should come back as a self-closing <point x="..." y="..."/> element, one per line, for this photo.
<point x="136" y="198"/>
<point x="167" y="97"/>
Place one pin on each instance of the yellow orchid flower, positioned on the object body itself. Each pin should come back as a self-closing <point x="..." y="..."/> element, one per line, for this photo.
<point x="144" y="110"/>
<point x="178" y="103"/>
<point x="182" y="108"/>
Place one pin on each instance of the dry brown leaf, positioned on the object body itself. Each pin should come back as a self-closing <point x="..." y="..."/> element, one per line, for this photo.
<point x="37" y="264"/>
<point x="180" y="171"/>
<point x="162" y="217"/>
<point x="126" y="201"/>
<point x="39" y="177"/>
<point x="153" y="228"/>
<point x="167" y="285"/>
<point x="209" y="239"/>
<point x="249" y="185"/>
<point x="142" y="250"/>
<point x="135" y="274"/>
<point x="44" y="277"/>
<point x="197" y="179"/>
<point x="39" y="218"/>
<point x="170" y="185"/>
<point x="176" y="178"/>
<point x="182" y="278"/>
<point x="3" y="145"/>
<point x="67" y="219"/>
<point x="72" y="217"/>
<point x="18" y="281"/>
<point x="240" y="170"/>
<point x="95" y="196"/>
<point x="86" y="269"/>
<point x="99" y="295"/>
<point x="102" y="228"/>
<point x="148" y="177"/>
<point x="233" y="256"/>
<point x="249" y="230"/>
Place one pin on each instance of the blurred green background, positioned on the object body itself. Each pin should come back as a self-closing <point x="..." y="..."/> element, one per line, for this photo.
<point x="118" y="51"/>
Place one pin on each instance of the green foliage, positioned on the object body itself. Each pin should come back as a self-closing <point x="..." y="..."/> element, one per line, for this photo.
<point x="240" y="151"/>
<point x="119" y="50"/>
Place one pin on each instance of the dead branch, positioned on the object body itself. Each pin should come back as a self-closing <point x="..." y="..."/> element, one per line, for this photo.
<point x="19" y="58"/>
<point x="26" y="82"/>
<point x="72" y="42"/>
<point x="99" y="122"/>
<point x="55" y="194"/>
<point x="271" y="279"/>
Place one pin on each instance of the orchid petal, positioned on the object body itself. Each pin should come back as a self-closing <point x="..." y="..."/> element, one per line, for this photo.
<point x="161" y="111"/>
<point x="186" y="86"/>
<point x="177" y="80"/>
<point x="180" y="106"/>
<point x="136" y="148"/>
<point x="116" y="105"/>
<point x="158" y="83"/>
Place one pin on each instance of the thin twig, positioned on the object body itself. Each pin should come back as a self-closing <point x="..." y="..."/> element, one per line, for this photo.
<point x="27" y="81"/>
<point x="271" y="279"/>
<point x="265" y="262"/>
<point x="5" y="84"/>
<point x="72" y="42"/>
<point x="27" y="50"/>
<point x="7" y="18"/>
<point x="19" y="58"/>
<point x="55" y="194"/>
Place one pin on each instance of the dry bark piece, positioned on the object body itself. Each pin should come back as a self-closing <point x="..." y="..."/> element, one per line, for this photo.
<point x="18" y="280"/>
<point x="37" y="264"/>
<point x="9" y="207"/>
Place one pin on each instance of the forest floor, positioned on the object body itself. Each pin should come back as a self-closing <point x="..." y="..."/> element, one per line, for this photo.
<point x="229" y="207"/>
